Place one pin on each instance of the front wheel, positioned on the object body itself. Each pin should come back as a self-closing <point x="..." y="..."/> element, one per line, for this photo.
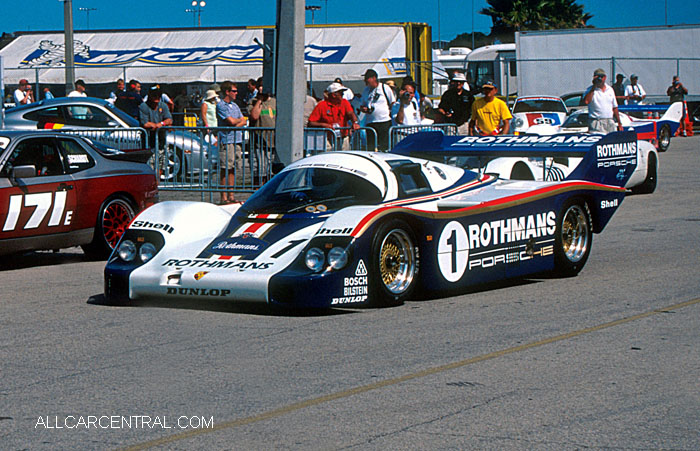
<point x="664" y="138"/>
<point x="115" y="215"/>
<point x="394" y="264"/>
<point x="574" y="237"/>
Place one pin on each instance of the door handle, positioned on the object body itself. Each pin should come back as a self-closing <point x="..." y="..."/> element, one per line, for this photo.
<point x="64" y="187"/>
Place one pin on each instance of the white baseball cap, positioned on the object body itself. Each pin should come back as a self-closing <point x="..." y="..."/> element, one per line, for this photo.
<point x="335" y="87"/>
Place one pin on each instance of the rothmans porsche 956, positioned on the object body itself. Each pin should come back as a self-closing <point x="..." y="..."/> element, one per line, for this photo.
<point x="353" y="228"/>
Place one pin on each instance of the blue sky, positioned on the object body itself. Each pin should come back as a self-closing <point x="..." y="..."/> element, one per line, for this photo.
<point x="455" y="16"/>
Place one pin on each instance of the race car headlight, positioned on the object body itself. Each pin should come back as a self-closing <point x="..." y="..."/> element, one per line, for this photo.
<point x="127" y="250"/>
<point x="337" y="258"/>
<point x="314" y="259"/>
<point x="518" y="122"/>
<point x="147" y="251"/>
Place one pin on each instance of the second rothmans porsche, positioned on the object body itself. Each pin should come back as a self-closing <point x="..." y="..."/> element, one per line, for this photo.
<point x="354" y="228"/>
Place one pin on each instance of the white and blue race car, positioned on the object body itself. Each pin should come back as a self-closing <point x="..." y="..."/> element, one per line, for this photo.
<point x="354" y="228"/>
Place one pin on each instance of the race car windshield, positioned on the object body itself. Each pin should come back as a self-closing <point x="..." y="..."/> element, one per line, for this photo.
<point x="312" y="190"/>
<point x="576" y="120"/>
<point x="539" y="105"/>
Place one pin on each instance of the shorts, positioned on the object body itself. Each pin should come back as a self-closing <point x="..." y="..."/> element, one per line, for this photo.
<point x="231" y="157"/>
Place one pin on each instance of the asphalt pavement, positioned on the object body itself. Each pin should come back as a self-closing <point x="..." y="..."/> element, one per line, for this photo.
<point x="605" y="360"/>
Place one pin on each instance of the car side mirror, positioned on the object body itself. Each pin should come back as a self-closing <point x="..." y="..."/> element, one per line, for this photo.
<point x="23" y="172"/>
<point x="112" y="124"/>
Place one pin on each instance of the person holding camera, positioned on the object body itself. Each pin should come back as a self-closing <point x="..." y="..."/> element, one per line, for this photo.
<point x="676" y="92"/>
<point x="23" y="95"/>
<point x="602" y="105"/>
<point x="456" y="103"/>
<point x="634" y="92"/>
<point x="407" y="110"/>
<point x="262" y="112"/>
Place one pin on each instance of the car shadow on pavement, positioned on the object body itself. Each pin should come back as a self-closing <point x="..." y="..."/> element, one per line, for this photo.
<point x="475" y="289"/>
<point x="248" y="308"/>
<point x="41" y="258"/>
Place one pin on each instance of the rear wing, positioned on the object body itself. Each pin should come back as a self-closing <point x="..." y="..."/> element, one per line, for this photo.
<point x="672" y="112"/>
<point x="607" y="159"/>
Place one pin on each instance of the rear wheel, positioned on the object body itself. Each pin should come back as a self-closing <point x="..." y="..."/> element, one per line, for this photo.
<point x="115" y="215"/>
<point x="394" y="264"/>
<point x="664" y="138"/>
<point x="649" y="184"/>
<point x="574" y="237"/>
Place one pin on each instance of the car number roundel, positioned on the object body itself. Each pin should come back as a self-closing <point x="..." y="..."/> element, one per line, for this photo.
<point x="453" y="251"/>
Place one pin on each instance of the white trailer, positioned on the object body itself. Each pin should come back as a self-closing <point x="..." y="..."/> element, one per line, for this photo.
<point x="496" y="63"/>
<point x="557" y="62"/>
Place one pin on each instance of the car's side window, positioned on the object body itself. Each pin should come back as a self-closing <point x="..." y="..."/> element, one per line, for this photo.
<point x="86" y="116"/>
<point x="411" y="180"/>
<point x="38" y="152"/>
<point x="46" y="116"/>
<point x="76" y="157"/>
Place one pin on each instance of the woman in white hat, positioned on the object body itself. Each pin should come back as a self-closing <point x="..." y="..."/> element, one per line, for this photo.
<point x="208" y="109"/>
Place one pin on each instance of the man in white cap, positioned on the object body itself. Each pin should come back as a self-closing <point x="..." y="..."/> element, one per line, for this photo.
<point x="456" y="103"/>
<point x="634" y="92"/>
<point x="336" y="114"/>
<point x="602" y="105"/>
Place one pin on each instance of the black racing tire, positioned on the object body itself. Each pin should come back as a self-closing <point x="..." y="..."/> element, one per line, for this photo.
<point x="521" y="171"/>
<point x="393" y="274"/>
<point x="573" y="238"/>
<point x="115" y="214"/>
<point x="664" y="138"/>
<point x="649" y="184"/>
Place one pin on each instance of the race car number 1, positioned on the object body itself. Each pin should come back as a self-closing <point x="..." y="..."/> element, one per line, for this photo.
<point x="42" y="202"/>
<point x="453" y="251"/>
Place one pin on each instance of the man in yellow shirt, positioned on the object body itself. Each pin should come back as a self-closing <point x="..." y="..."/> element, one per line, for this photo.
<point x="490" y="116"/>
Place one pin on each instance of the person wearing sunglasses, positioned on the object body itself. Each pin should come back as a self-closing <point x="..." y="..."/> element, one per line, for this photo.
<point x="230" y="142"/>
<point x="490" y="115"/>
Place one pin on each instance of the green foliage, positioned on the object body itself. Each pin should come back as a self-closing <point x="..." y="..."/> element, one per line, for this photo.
<point x="509" y="16"/>
<point x="465" y="40"/>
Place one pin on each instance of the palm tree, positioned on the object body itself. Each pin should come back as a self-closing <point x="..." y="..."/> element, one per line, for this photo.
<point x="509" y="16"/>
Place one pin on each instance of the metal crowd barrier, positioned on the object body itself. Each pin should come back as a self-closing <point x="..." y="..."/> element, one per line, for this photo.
<point x="319" y="140"/>
<point x="120" y="138"/>
<point x="194" y="159"/>
<point x="399" y="132"/>
<point x="188" y="159"/>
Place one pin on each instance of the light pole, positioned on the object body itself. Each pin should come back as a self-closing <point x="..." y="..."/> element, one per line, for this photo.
<point x="313" y="9"/>
<point x="68" y="47"/>
<point x="439" y="34"/>
<point x="87" y="12"/>
<point x="472" y="24"/>
<point x="194" y="16"/>
<point x="198" y="5"/>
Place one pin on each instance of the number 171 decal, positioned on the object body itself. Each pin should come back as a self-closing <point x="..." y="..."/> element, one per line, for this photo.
<point x="43" y="203"/>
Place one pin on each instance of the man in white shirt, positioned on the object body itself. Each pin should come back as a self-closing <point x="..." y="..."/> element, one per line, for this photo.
<point x="377" y="99"/>
<point x="634" y="92"/>
<point x="407" y="110"/>
<point x="79" y="90"/>
<point x="23" y="95"/>
<point x="602" y="105"/>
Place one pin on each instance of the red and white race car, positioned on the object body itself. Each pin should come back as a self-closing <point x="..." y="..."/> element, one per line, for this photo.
<point x="529" y="111"/>
<point x="59" y="190"/>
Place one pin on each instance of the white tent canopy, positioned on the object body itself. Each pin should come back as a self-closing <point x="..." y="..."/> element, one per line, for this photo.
<point x="176" y="56"/>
